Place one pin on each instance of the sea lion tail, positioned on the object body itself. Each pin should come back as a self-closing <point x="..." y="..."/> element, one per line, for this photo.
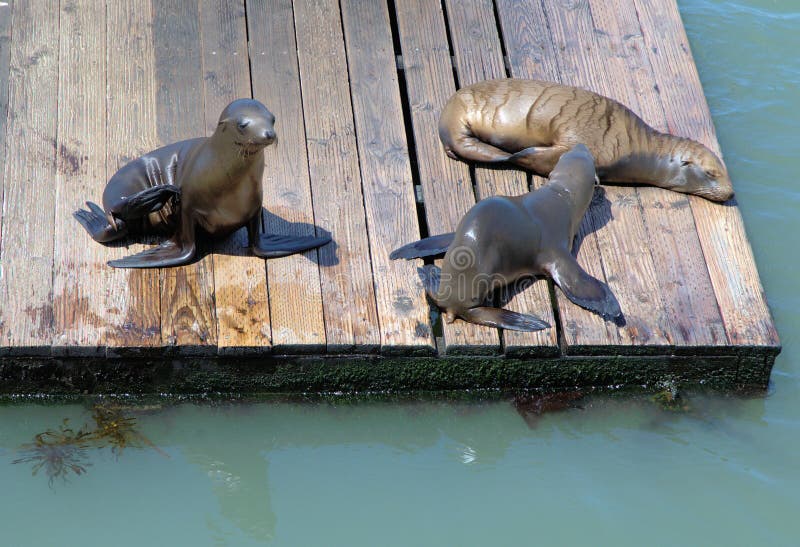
<point x="504" y="319"/>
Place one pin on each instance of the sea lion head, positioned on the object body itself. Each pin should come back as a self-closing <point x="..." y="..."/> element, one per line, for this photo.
<point x="702" y="173"/>
<point x="248" y="125"/>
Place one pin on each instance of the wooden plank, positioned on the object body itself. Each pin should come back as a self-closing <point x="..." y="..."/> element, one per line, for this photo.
<point x="133" y="297"/>
<point x="295" y="295"/>
<point x="730" y="260"/>
<point x="446" y="184"/>
<point x="79" y="306"/>
<point x="188" y="323"/>
<point x="386" y="173"/>
<point x="240" y="279"/>
<point x="5" y="57"/>
<point x="348" y="296"/>
<point x="679" y="262"/>
<point x="479" y="56"/>
<point x="26" y="278"/>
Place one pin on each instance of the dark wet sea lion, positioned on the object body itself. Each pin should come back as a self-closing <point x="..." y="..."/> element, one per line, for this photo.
<point x="532" y="123"/>
<point x="213" y="183"/>
<point x="502" y="239"/>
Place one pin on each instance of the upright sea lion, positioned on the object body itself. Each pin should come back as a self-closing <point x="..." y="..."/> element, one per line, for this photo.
<point x="532" y="123"/>
<point x="213" y="183"/>
<point x="502" y="239"/>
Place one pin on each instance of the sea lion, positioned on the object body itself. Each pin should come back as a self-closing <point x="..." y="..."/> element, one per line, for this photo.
<point x="501" y="239"/>
<point x="532" y="123"/>
<point x="213" y="183"/>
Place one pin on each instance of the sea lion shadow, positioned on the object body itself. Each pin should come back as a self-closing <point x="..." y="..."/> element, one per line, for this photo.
<point x="598" y="215"/>
<point x="273" y="224"/>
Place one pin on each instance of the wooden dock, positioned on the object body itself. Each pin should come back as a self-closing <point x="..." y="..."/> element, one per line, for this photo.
<point x="356" y="87"/>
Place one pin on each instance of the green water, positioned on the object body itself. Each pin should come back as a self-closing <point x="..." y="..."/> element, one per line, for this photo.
<point x="617" y="471"/>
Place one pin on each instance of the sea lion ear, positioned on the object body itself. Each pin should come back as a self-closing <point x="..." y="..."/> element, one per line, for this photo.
<point x="684" y="163"/>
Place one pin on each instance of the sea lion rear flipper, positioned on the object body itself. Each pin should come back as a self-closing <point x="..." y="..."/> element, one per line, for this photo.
<point x="581" y="288"/>
<point x="504" y="319"/>
<point x="95" y="222"/>
<point x="149" y="200"/>
<point x="165" y="255"/>
<point x="540" y="159"/>
<point x="275" y="245"/>
<point x="430" y="275"/>
<point x="430" y="246"/>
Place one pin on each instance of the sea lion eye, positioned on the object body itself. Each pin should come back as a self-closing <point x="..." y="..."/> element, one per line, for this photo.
<point x="684" y="163"/>
<point x="243" y="124"/>
<point x="711" y="174"/>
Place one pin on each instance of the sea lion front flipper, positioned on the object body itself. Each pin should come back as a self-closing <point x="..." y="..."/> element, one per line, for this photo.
<point x="581" y="288"/>
<point x="539" y="159"/>
<point x="430" y="246"/>
<point x="165" y="255"/>
<point x="147" y="201"/>
<point x="504" y="319"/>
<point x="276" y="245"/>
<point x="467" y="147"/>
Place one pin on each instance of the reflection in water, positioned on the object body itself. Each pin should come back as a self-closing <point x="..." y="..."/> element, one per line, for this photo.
<point x="532" y="405"/>
<point x="60" y="452"/>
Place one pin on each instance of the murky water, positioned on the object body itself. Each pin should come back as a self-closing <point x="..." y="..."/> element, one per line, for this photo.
<point x="611" y="471"/>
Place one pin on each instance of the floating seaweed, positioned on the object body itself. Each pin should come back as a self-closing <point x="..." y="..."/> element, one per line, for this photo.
<point x="60" y="452"/>
<point x="65" y="450"/>
<point x="117" y="430"/>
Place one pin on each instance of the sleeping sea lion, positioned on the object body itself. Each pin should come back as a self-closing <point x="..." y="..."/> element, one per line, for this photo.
<point x="213" y="183"/>
<point x="502" y="239"/>
<point x="532" y="123"/>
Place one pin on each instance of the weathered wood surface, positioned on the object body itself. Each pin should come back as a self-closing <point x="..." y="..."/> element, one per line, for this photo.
<point x="5" y="57"/>
<point x="479" y="56"/>
<point x="79" y="310"/>
<point x="348" y="294"/>
<point x="680" y="266"/>
<point x="721" y="231"/>
<point x="87" y="85"/>
<point x="240" y="279"/>
<point x="386" y="173"/>
<point x="295" y="294"/>
<point x="26" y="278"/>
<point x="446" y="184"/>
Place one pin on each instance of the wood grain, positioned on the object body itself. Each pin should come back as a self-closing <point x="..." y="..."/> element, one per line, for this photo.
<point x="479" y="56"/>
<point x="26" y="278"/>
<point x="386" y="173"/>
<point x="295" y="295"/>
<point x="348" y="295"/>
<point x="446" y="183"/>
<point x="240" y="279"/>
<point x="188" y="322"/>
<point x="679" y="262"/>
<point x="79" y="310"/>
<point x="721" y="231"/>
<point x="133" y="297"/>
